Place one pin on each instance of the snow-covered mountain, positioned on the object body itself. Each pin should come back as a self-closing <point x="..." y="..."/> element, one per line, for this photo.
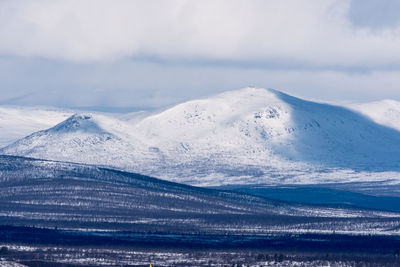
<point x="257" y="124"/>
<point x="245" y="136"/>
<point x="18" y="122"/>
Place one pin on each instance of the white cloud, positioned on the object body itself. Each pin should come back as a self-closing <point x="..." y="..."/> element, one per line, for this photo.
<point x="305" y="33"/>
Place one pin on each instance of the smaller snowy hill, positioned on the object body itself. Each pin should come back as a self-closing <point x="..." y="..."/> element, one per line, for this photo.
<point x="385" y="112"/>
<point x="18" y="122"/>
<point x="89" y="138"/>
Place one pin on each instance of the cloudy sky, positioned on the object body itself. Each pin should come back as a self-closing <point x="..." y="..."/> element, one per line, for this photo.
<point x="115" y="54"/>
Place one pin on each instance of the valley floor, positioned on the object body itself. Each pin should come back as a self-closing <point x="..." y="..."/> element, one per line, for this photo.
<point x="40" y="247"/>
<point x="78" y="256"/>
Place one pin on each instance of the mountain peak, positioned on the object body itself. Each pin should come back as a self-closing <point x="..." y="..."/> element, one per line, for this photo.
<point x="246" y="92"/>
<point x="254" y="96"/>
<point x="78" y="122"/>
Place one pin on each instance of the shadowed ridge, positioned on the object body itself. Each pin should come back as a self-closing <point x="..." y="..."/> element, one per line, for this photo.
<point x="363" y="144"/>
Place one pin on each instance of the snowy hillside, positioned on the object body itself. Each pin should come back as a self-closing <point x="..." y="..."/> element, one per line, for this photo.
<point x="245" y="136"/>
<point x="385" y="112"/>
<point x="17" y="122"/>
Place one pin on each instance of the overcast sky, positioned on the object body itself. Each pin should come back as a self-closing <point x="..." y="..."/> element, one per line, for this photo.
<point x="150" y="54"/>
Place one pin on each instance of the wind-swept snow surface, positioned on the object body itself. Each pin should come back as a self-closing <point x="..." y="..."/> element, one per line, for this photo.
<point x="17" y="122"/>
<point x="385" y="112"/>
<point x="245" y="136"/>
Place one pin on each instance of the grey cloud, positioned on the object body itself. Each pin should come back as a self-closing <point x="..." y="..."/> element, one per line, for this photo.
<point x="375" y="14"/>
<point x="128" y="85"/>
<point x="306" y="33"/>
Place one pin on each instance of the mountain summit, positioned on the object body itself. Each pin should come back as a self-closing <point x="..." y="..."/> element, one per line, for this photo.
<point x="77" y="122"/>
<point x="246" y="136"/>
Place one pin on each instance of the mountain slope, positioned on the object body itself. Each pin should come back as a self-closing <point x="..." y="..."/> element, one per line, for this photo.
<point x="245" y="136"/>
<point x="64" y="195"/>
